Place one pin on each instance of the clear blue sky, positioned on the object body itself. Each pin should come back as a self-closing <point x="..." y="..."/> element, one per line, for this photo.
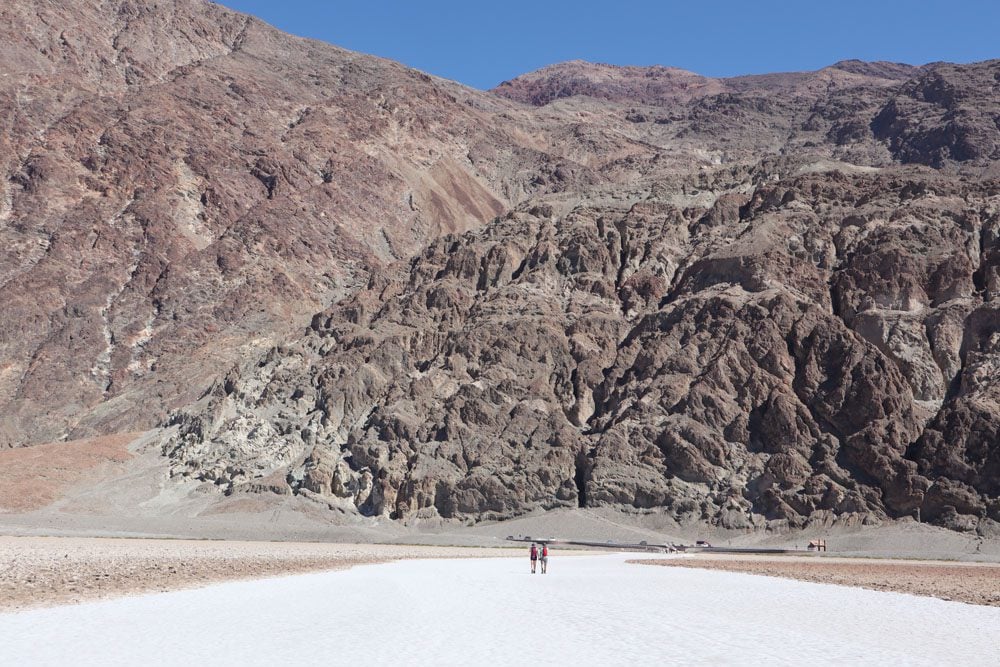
<point x="481" y="43"/>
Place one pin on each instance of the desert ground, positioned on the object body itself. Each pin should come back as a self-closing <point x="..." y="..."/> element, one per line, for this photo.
<point x="595" y="609"/>
<point x="43" y="571"/>
<point x="973" y="583"/>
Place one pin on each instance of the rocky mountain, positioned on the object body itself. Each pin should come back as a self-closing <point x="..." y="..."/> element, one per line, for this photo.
<point x="793" y="354"/>
<point x="183" y="185"/>
<point x="668" y="86"/>
<point x="765" y="301"/>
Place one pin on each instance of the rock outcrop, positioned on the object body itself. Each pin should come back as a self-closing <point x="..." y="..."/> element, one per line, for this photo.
<point x="771" y="363"/>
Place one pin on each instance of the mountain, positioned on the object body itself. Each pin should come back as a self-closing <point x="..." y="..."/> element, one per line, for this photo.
<point x="184" y="185"/>
<point x="757" y="302"/>
<point x="666" y="86"/>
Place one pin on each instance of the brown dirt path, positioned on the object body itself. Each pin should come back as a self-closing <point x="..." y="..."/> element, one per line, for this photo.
<point x="974" y="583"/>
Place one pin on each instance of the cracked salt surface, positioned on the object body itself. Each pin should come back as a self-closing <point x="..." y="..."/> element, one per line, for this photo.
<point x="589" y="610"/>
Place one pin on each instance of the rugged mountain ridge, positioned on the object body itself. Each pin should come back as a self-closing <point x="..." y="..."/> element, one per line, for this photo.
<point x="636" y="358"/>
<point x="758" y="302"/>
<point x="666" y="86"/>
<point x="184" y="184"/>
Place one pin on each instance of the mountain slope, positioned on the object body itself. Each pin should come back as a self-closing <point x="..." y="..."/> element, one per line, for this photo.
<point x="766" y="301"/>
<point x="734" y="364"/>
<point x="184" y="184"/>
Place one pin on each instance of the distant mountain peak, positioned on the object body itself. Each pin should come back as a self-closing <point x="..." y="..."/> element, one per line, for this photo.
<point x="658" y="85"/>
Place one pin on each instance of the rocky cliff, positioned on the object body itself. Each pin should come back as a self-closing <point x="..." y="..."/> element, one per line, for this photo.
<point x="762" y="301"/>
<point x="805" y="351"/>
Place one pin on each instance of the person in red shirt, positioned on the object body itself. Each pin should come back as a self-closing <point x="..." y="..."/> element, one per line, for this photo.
<point x="544" y="558"/>
<point x="534" y="557"/>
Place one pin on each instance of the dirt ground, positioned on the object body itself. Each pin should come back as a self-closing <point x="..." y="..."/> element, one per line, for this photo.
<point x="33" y="477"/>
<point x="42" y="571"/>
<point x="975" y="583"/>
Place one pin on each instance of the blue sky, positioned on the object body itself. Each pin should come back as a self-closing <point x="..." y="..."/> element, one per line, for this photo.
<point x="484" y="43"/>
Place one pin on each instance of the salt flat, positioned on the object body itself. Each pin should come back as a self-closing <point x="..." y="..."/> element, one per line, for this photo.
<point x="587" y="610"/>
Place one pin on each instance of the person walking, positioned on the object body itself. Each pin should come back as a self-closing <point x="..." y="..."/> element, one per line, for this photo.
<point x="534" y="557"/>
<point x="544" y="558"/>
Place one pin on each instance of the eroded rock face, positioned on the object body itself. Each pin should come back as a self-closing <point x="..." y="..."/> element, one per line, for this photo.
<point x="959" y="449"/>
<point x="948" y="113"/>
<point x="772" y="363"/>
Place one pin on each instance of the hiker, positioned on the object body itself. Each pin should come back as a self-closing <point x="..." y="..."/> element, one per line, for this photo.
<point x="544" y="558"/>
<point x="534" y="557"/>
